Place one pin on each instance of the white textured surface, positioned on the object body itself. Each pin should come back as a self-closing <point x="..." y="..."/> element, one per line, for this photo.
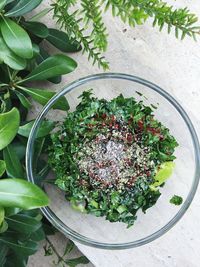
<point x="175" y="66"/>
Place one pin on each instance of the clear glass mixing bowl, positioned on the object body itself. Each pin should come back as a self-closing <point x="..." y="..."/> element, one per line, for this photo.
<point x="97" y="232"/>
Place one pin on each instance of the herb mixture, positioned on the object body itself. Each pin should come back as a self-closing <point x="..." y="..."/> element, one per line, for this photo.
<point x="109" y="157"/>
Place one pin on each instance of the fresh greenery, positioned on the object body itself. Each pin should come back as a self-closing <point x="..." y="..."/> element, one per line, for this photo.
<point x="176" y="200"/>
<point x="80" y="157"/>
<point x="83" y="20"/>
<point x="24" y="59"/>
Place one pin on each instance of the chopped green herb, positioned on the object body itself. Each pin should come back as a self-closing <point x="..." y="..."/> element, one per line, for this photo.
<point x="107" y="156"/>
<point x="176" y="200"/>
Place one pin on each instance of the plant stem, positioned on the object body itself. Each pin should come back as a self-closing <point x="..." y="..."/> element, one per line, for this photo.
<point x="60" y="259"/>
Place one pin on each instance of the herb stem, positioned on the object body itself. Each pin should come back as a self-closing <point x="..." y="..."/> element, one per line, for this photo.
<point x="60" y="259"/>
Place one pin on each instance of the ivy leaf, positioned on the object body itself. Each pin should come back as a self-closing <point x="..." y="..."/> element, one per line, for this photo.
<point x="26" y="248"/>
<point x="10" y="58"/>
<point x="2" y="167"/>
<point x="45" y="128"/>
<point x="23" y="7"/>
<point x="23" y="223"/>
<point x="61" y="40"/>
<point x="51" y="67"/>
<point x="37" y="28"/>
<point x="43" y="96"/>
<point x="13" y="165"/>
<point x="25" y="102"/>
<point x="9" y="125"/>
<point x="2" y="214"/>
<point x="20" y="193"/>
<point x="16" y="38"/>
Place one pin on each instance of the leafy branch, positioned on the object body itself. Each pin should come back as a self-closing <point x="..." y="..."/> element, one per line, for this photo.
<point x="87" y="26"/>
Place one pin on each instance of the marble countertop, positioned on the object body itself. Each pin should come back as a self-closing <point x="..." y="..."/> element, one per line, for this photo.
<point x="175" y="66"/>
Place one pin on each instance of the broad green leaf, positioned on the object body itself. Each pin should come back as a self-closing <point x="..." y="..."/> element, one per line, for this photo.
<point x="9" y="124"/>
<point x="40" y="14"/>
<point x="40" y="58"/>
<point x="2" y="214"/>
<point x="16" y="38"/>
<point x="51" y="67"/>
<point x="27" y="248"/>
<point x="20" y="193"/>
<point x="10" y="58"/>
<point x="23" y="223"/>
<point x="61" y="40"/>
<point x="13" y="165"/>
<point x="19" y="148"/>
<point x="43" y="96"/>
<point x="2" y="167"/>
<point x="37" y="28"/>
<point x="12" y="211"/>
<point x="44" y="129"/>
<point x="23" y="7"/>
<point x="2" y="4"/>
<point x="16" y="259"/>
<point x="25" y="102"/>
<point x="3" y="227"/>
<point x="36" y="50"/>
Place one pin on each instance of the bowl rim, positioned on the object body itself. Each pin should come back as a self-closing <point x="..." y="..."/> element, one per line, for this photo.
<point x="49" y="214"/>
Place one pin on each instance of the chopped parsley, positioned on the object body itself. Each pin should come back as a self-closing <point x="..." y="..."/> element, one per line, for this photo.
<point x="106" y="156"/>
<point x="176" y="200"/>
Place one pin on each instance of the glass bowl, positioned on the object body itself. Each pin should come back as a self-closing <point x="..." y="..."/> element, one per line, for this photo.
<point x="97" y="232"/>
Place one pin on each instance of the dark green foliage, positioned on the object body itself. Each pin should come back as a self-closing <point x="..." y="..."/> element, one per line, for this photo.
<point x="176" y="200"/>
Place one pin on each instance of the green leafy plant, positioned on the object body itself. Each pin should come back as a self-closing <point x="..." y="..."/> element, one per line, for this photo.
<point x="22" y="60"/>
<point x="83" y="21"/>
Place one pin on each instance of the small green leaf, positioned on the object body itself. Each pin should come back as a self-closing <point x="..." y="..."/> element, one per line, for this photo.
<point x="9" y="124"/>
<point x="51" y="67"/>
<point x="176" y="200"/>
<point x="44" y="129"/>
<point x="26" y="248"/>
<point x="3" y="227"/>
<point x="16" y="38"/>
<point x="42" y="96"/>
<point x="2" y="167"/>
<point x="37" y="28"/>
<point x="13" y="165"/>
<point x="23" y="223"/>
<point x="2" y="214"/>
<point x="23" y="7"/>
<point x="77" y="261"/>
<point x="61" y="40"/>
<point x="25" y="102"/>
<point x="20" y="193"/>
<point x="10" y="58"/>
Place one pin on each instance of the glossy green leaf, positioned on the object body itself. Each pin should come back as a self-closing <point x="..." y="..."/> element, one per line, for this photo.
<point x="2" y="214"/>
<point x="10" y="58"/>
<point x="38" y="235"/>
<point x="44" y="129"/>
<point x="9" y="124"/>
<point x="61" y="40"/>
<point x="13" y="165"/>
<point x="16" y="259"/>
<point x="27" y="248"/>
<point x="12" y="211"/>
<point x="36" y="50"/>
<point x="25" y="102"/>
<point x="23" y="223"/>
<point x="41" y="57"/>
<point x="19" y="148"/>
<point x="42" y="96"/>
<point x="16" y="38"/>
<point x="23" y="7"/>
<point x="22" y="194"/>
<point x="37" y="28"/>
<point x="51" y="67"/>
<point x="2" y="4"/>
<point x="2" y="167"/>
